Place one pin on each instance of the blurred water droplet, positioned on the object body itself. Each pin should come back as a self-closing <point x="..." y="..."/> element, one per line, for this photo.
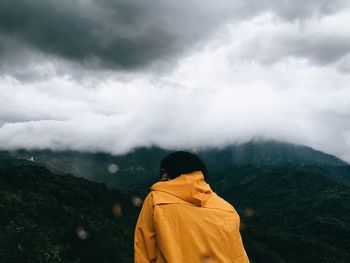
<point x="82" y="233"/>
<point x="112" y="168"/>
<point x="117" y="210"/>
<point x="19" y="246"/>
<point x="249" y="212"/>
<point x="205" y="259"/>
<point x="137" y="201"/>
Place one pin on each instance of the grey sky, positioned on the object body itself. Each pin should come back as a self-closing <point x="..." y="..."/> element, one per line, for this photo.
<point x="113" y="75"/>
<point x="130" y="33"/>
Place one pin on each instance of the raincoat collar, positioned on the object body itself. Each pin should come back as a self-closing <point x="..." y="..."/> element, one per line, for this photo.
<point x="189" y="187"/>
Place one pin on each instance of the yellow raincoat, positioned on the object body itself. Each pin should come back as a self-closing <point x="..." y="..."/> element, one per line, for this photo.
<point x="184" y="221"/>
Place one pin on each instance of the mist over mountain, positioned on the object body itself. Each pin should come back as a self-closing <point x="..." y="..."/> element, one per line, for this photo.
<point x="141" y="167"/>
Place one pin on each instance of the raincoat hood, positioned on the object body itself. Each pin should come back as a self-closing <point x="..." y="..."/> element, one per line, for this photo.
<point x="189" y="187"/>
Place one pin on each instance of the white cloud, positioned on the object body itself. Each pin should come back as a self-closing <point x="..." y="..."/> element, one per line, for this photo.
<point x="220" y="94"/>
<point x="267" y="38"/>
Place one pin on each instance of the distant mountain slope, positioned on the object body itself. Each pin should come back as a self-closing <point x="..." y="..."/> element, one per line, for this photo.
<point x="262" y="153"/>
<point x="130" y="169"/>
<point x="141" y="167"/>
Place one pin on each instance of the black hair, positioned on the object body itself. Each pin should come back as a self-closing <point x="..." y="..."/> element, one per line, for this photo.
<point x="182" y="162"/>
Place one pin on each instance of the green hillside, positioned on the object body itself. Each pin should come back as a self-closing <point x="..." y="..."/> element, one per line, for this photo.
<point x="290" y="211"/>
<point x="49" y="218"/>
<point x="133" y="169"/>
<point x="289" y="215"/>
<point x="262" y="153"/>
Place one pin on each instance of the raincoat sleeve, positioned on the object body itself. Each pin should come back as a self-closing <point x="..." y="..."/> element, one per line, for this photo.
<point x="144" y="237"/>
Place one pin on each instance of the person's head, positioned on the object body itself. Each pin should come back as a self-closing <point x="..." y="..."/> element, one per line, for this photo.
<point x="181" y="162"/>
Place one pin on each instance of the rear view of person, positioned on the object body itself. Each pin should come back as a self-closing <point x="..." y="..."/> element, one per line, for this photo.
<point x="183" y="221"/>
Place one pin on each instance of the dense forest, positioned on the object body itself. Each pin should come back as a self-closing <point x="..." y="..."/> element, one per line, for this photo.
<point x="294" y="203"/>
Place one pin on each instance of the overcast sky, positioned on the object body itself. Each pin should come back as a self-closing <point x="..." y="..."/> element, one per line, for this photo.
<point x="112" y="75"/>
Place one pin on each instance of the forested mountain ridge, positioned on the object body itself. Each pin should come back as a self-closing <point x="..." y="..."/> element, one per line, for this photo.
<point x="141" y="167"/>
<point x="289" y="215"/>
<point x="62" y="218"/>
<point x="290" y="211"/>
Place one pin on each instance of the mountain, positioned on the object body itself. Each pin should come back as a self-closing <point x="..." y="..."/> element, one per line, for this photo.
<point x="287" y="215"/>
<point x="141" y="167"/>
<point x="127" y="170"/>
<point x="62" y="218"/>
<point x="294" y="202"/>
<point x="271" y="152"/>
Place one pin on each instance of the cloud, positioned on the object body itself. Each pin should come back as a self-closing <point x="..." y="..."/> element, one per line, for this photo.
<point x="292" y="10"/>
<point x="208" y="101"/>
<point x="119" y="34"/>
<point x="272" y="70"/>
<point x="132" y="34"/>
<point x="267" y="38"/>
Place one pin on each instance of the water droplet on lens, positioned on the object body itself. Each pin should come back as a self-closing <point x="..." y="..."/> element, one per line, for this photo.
<point x="112" y="168"/>
<point x="117" y="210"/>
<point x="82" y="233"/>
<point x="205" y="259"/>
<point x="249" y="212"/>
<point x="137" y="201"/>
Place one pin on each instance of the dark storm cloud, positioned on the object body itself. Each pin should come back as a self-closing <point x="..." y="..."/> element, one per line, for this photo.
<point x="130" y="34"/>
<point x="114" y="33"/>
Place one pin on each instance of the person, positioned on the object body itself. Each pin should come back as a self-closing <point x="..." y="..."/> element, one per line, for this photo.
<point x="183" y="221"/>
